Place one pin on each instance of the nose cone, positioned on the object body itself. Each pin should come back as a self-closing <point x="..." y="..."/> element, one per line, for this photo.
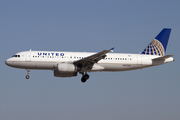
<point x="8" y="62"/>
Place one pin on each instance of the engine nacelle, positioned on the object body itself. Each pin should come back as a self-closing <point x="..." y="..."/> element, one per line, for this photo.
<point x="65" y="70"/>
<point x="66" y="67"/>
<point x="64" y="74"/>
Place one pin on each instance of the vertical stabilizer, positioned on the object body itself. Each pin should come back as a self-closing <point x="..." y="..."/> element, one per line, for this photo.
<point x="159" y="44"/>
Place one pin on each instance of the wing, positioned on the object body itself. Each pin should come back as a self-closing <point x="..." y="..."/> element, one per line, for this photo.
<point x="89" y="61"/>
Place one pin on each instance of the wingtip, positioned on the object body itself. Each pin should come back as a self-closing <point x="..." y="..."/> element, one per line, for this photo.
<point x="112" y="49"/>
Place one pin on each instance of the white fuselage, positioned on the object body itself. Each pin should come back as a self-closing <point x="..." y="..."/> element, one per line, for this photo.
<point x="48" y="60"/>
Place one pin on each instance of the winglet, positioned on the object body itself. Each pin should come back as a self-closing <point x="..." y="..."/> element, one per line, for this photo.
<point x="112" y="49"/>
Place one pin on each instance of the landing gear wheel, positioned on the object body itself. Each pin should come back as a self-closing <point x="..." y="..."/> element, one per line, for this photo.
<point x="84" y="78"/>
<point x="27" y="77"/>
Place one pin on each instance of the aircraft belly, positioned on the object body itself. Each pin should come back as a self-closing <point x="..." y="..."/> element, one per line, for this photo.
<point x="34" y="65"/>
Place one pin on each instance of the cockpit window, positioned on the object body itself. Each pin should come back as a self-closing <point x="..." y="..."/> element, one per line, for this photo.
<point x="16" y="56"/>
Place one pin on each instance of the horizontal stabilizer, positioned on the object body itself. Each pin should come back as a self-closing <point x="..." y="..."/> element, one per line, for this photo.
<point x="163" y="57"/>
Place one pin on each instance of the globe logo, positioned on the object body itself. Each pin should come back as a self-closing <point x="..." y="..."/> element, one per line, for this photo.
<point x="154" y="48"/>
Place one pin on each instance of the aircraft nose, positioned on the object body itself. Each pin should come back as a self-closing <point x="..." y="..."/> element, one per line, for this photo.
<point x="8" y="62"/>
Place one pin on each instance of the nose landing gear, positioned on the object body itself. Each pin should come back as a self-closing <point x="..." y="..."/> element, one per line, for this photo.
<point x="27" y="76"/>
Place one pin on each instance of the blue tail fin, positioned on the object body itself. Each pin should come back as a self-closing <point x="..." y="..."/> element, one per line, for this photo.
<point x="159" y="44"/>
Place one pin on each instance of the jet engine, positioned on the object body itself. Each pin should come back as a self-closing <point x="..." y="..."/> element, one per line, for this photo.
<point x="65" y="70"/>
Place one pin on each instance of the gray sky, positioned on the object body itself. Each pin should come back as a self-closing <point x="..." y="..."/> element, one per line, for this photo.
<point x="95" y="25"/>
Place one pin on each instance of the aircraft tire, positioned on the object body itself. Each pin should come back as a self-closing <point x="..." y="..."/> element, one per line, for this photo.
<point x="84" y="78"/>
<point x="27" y="77"/>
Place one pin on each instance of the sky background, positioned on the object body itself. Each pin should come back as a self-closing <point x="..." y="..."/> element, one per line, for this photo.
<point x="89" y="26"/>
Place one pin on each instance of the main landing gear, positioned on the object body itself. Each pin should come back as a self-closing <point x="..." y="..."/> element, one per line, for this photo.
<point x="27" y="76"/>
<point x="84" y="77"/>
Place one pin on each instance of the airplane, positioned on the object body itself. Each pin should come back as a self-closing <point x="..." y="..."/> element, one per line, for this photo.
<point x="69" y="64"/>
